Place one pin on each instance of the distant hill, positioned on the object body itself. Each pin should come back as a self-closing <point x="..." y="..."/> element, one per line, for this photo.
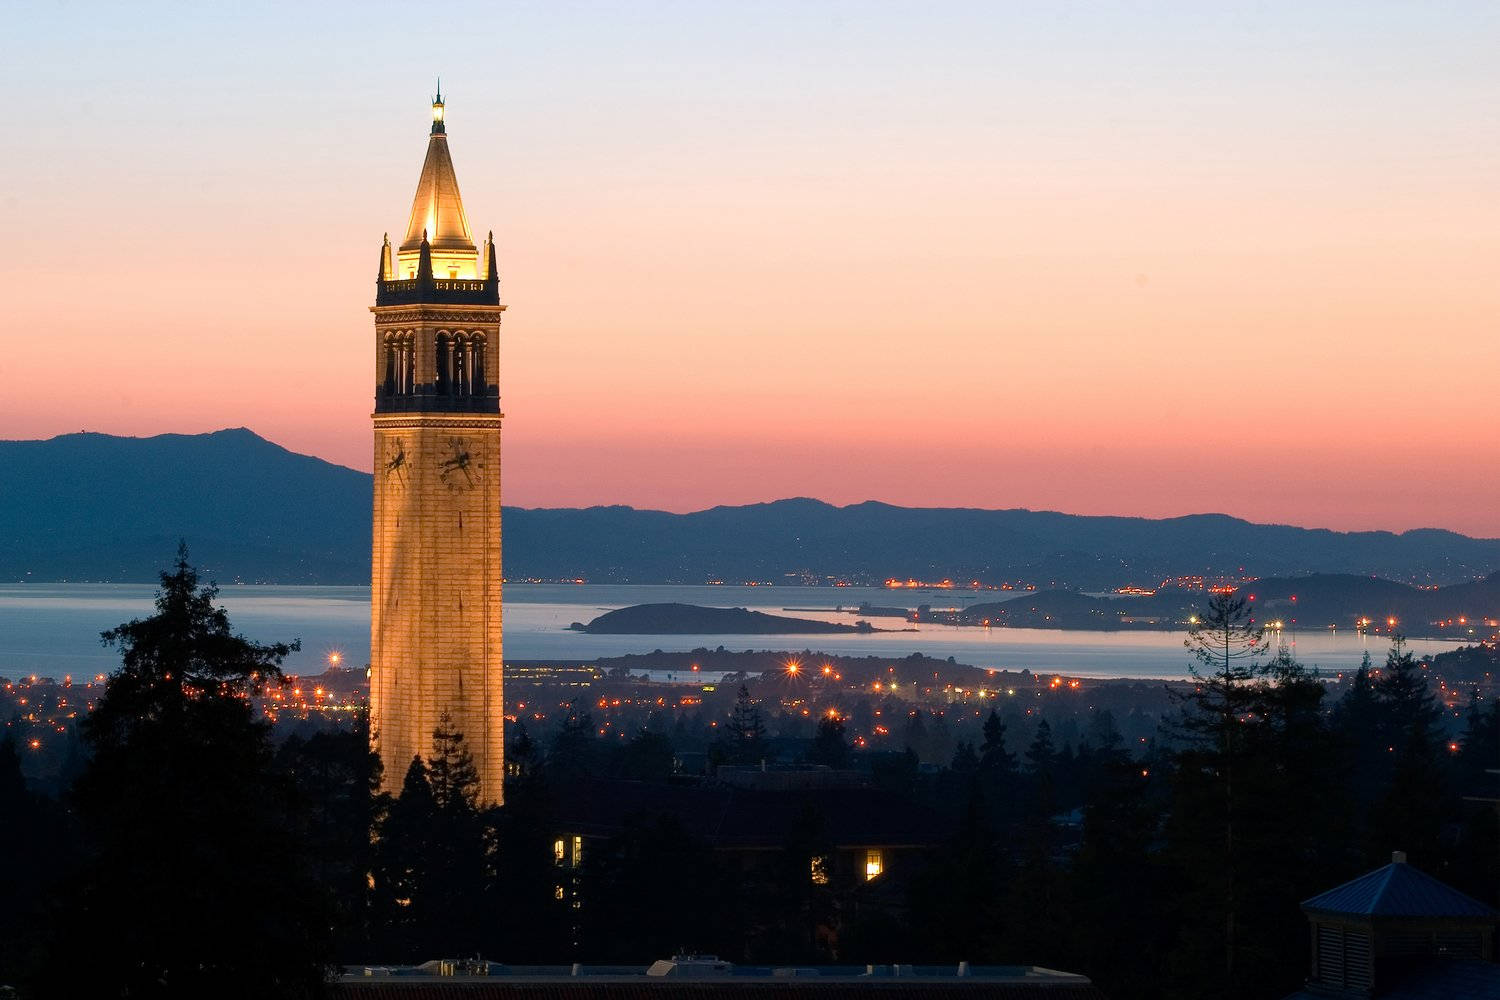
<point x="690" y="619"/>
<point x="104" y="508"/>
<point x="1314" y="602"/>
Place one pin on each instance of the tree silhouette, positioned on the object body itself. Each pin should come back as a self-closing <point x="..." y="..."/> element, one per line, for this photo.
<point x="993" y="757"/>
<point x="746" y="730"/>
<point x="1227" y="646"/>
<point x="829" y="747"/>
<point x="450" y="769"/>
<point x="195" y="884"/>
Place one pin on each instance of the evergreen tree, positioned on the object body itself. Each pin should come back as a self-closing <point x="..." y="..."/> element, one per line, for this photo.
<point x="36" y="843"/>
<point x="521" y="755"/>
<point x="574" y="747"/>
<point x="998" y="775"/>
<point x="965" y="760"/>
<point x="647" y="757"/>
<point x="1119" y="922"/>
<point x="336" y="778"/>
<point x="1038" y="888"/>
<point x="402" y="903"/>
<point x="1357" y="721"/>
<point x="195" y="884"/>
<point x="1210" y="806"/>
<point x="993" y="757"/>
<point x="958" y="905"/>
<point x="829" y="747"/>
<point x="746" y="730"/>
<point x="1475" y="864"/>
<point x="450" y="769"/>
<point x="1408" y="814"/>
<point x="529" y="918"/>
<point x="435" y="858"/>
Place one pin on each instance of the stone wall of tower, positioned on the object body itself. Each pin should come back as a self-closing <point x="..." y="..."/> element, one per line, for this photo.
<point x="435" y="623"/>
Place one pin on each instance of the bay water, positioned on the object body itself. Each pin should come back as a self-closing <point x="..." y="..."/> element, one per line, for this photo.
<point x="52" y="630"/>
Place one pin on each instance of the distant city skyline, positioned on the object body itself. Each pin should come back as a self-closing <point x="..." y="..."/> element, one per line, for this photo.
<point x="1100" y="258"/>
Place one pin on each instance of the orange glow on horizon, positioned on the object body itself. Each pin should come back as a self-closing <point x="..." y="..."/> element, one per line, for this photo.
<point x="964" y="295"/>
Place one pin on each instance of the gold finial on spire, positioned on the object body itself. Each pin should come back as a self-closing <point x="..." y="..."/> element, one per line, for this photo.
<point x="437" y="109"/>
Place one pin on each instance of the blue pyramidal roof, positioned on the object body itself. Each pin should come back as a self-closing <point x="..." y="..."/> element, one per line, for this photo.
<point x="1399" y="890"/>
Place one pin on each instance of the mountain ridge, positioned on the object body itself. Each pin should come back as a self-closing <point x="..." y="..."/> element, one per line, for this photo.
<point x="93" y="506"/>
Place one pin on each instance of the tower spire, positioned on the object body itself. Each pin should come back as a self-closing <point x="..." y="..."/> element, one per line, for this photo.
<point x="438" y="127"/>
<point x="438" y="210"/>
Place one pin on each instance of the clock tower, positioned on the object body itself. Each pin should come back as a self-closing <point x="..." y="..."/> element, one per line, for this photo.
<point x="435" y="564"/>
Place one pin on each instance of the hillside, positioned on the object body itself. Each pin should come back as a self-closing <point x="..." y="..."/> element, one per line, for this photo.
<point x="1317" y="601"/>
<point x="690" y="619"/>
<point x="97" y="507"/>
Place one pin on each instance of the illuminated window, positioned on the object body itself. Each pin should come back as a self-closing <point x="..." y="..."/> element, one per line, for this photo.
<point x="557" y="892"/>
<point x="820" y="870"/>
<point x="577" y="851"/>
<point x="558" y="851"/>
<point x="874" y="864"/>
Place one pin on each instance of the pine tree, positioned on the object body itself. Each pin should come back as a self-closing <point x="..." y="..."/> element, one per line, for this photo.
<point x="1408" y="814"/>
<point x="573" y="748"/>
<point x="993" y="757"/>
<point x="196" y="884"/>
<point x="747" y="732"/>
<point x="1357" y="720"/>
<point x="829" y="747"/>
<point x="1209" y="803"/>
<point x="521" y="755"/>
<point x="965" y="760"/>
<point x="450" y="769"/>
<point x="336" y="776"/>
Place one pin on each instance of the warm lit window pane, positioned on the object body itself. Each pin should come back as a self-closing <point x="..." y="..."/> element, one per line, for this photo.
<point x="874" y="864"/>
<point x="820" y="870"/>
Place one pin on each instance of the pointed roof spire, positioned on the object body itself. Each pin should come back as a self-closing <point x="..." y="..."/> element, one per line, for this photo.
<point x="438" y="208"/>
<point x="491" y="268"/>
<point x="384" y="272"/>
<point x="424" y="265"/>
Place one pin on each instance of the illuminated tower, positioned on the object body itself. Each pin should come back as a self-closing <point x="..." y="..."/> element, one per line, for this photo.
<point x="435" y="564"/>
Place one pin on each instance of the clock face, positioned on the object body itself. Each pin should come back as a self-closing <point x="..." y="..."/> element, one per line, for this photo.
<point x="458" y="467"/>
<point x="395" y="464"/>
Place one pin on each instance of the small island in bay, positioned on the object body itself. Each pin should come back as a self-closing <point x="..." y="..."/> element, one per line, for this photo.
<point x="690" y="619"/>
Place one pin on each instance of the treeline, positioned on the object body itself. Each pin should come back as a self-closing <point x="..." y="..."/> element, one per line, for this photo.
<point x="192" y="855"/>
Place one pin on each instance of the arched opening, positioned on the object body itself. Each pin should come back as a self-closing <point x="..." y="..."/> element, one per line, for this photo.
<point x="461" y="365"/>
<point x="388" y="385"/>
<point x="479" y="386"/>
<point x="408" y="364"/>
<point x="444" y="366"/>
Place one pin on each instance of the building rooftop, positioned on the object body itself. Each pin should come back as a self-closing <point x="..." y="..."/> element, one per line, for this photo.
<point x="699" y="981"/>
<point x="1398" y="890"/>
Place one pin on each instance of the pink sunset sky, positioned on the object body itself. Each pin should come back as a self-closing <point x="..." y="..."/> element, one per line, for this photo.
<point x="1145" y="259"/>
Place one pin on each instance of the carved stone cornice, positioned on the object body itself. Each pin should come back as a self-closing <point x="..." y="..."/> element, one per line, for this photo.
<point x="469" y="421"/>
<point x="428" y="312"/>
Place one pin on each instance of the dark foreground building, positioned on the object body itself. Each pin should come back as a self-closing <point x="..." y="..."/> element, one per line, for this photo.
<point x="1400" y="934"/>
<point x="689" y="978"/>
